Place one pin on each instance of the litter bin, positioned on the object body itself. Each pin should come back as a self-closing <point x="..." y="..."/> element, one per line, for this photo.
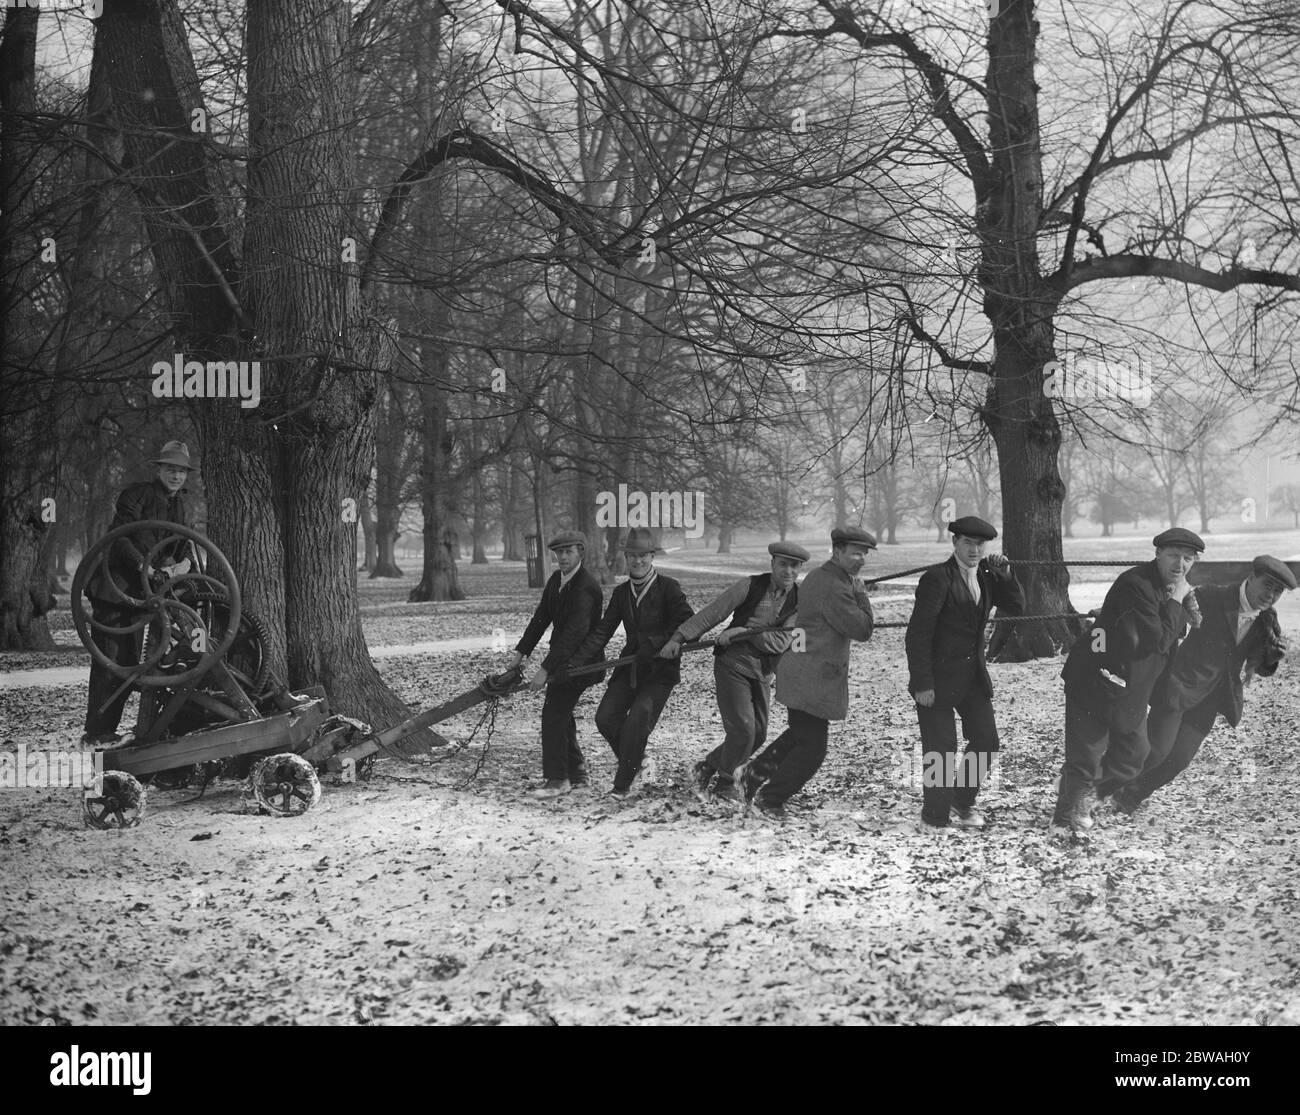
<point x="536" y="563"/>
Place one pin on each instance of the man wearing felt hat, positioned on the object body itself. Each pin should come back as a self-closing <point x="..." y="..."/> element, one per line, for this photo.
<point x="650" y="607"/>
<point x="743" y="664"/>
<point x="947" y="672"/>
<point x="121" y="577"/>
<point x="1113" y="668"/>
<point x="813" y="682"/>
<point x="571" y="603"/>
<point x="1239" y="635"/>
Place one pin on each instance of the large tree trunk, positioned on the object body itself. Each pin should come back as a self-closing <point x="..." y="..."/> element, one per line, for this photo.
<point x="512" y="531"/>
<point x="366" y="521"/>
<point x="28" y="465"/>
<point x="300" y="100"/>
<point x="1020" y="416"/>
<point x="390" y="480"/>
<point x="440" y="579"/>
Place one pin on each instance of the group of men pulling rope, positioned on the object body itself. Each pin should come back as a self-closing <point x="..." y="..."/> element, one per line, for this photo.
<point x="1143" y="685"/>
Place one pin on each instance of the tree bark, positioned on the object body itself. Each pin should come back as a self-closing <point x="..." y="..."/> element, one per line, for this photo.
<point x="28" y="462"/>
<point x="1019" y="415"/>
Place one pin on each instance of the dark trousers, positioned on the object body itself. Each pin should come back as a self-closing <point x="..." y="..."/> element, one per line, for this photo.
<point x="1105" y="748"/>
<point x="1176" y="736"/>
<point x="790" y="760"/>
<point x="561" y="756"/>
<point x="742" y="701"/>
<point x="122" y="649"/>
<point x="945" y="781"/>
<point x="626" y="716"/>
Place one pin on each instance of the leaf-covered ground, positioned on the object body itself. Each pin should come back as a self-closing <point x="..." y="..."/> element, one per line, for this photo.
<point x="439" y="892"/>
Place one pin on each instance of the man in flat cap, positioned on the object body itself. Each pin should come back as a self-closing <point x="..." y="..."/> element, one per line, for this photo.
<point x="1112" y="669"/>
<point x="121" y="577"/>
<point x="571" y="602"/>
<point x="947" y="672"/>
<point x="742" y="666"/>
<point x="813" y="682"/>
<point x="650" y="607"/>
<point x="1239" y="634"/>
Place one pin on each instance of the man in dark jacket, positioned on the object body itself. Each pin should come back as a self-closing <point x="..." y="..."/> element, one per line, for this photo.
<point x="1112" y="670"/>
<point x="123" y="579"/>
<point x="742" y="666"/>
<point x="812" y="677"/>
<point x="650" y="607"/>
<point x="947" y="671"/>
<point x="1239" y="633"/>
<point x="571" y="602"/>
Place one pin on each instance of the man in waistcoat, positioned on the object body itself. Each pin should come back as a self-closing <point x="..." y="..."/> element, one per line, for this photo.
<point x="742" y="666"/>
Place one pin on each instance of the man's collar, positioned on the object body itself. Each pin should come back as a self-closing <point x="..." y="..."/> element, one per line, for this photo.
<point x="1244" y="601"/>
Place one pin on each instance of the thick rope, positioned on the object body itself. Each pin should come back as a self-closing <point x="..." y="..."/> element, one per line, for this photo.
<point x="923" y="568"/>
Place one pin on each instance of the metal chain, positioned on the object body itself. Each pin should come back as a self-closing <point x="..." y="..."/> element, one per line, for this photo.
<point x="490" y="717"/>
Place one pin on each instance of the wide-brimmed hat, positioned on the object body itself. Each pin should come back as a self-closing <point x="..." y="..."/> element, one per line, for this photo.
<point x="174" y="453"/>
<point x="639" y="540"/>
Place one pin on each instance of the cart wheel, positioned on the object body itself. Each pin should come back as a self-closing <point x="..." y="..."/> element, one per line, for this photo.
<point x="120" y="803"/>
<point x="285" y="785"/>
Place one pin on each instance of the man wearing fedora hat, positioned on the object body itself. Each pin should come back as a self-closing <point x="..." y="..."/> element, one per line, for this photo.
<point x="742" y="666"/>
<point x="1112" y="669"/>
<point x="571" y="602"/>
<point x="650" y="607"/>
<point x="813" y="683"/>
<point x="948" y="674"/>
<point x="1239" y="638"/>
<point x="121" y="575"/>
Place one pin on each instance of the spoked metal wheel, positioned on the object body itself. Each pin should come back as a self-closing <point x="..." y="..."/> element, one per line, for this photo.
<point x="119" y="804"/>
<point x="285" y="785"/>
<point x="182" y="643"/>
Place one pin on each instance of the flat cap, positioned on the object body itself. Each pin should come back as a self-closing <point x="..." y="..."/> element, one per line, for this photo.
<point x="788" y="549"/>
<point x="1275" y="568"/>
<point x="568" y="538"/>
<point x="972" y="526"/>
<point x="852" y="536"/>
<point x="1179" y="536"/>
